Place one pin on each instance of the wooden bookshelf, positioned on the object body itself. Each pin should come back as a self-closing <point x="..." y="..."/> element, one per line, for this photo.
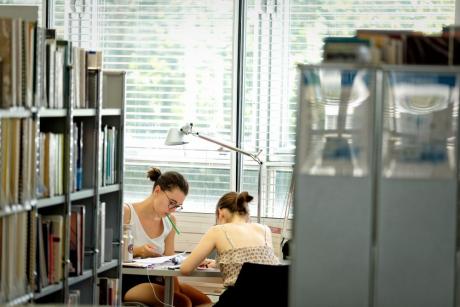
<point x="51" y="159"/>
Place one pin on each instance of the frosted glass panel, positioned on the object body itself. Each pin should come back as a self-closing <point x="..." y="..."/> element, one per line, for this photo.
<point x="336" y="121"/>
<point x="419" y="124"/>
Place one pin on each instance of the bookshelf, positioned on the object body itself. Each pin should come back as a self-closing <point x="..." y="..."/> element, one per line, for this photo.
<point x="56" y="207"/>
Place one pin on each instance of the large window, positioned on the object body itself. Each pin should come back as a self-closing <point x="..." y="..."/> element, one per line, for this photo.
<point x="180" y="63"/>
<point x="281" y="34"/>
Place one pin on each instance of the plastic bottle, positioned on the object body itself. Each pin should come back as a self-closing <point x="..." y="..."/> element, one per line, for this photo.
<point x="128" y="243"/>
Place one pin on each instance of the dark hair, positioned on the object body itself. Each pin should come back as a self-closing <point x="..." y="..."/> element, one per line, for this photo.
<point x="168" y="180"/>
<point x="235" y="202"/>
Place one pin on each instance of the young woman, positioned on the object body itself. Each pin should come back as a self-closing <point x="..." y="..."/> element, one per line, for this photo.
<point x="236" y="240"/>
<point x="154" y="236"/>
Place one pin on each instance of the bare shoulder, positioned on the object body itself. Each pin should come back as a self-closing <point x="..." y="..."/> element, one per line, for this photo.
<point x="126" y="214"/>
<point x="260" y="227"/>
<point x="215" y="230"/>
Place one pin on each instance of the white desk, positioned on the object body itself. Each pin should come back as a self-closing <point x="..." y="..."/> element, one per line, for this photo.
<point x="168" y="276"/>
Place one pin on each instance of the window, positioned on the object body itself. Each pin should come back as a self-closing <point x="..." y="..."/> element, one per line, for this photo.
<point x="280" y="34"/>
<point x="179" y="61"/>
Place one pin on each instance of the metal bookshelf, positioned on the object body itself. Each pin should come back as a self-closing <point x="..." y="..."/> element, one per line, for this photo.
<point x="109" y="111"/>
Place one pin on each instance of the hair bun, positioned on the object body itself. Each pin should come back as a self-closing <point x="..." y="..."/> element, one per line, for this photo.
<point x="241" y="200"/>
<point x="153" y="174"/>
<point x="248" y="198"/>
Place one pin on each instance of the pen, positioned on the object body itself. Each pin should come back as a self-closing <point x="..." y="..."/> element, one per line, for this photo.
<point x="174" y="225"/>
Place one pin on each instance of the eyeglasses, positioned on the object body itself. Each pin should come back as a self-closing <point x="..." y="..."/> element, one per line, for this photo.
<point x="173" y="205"/>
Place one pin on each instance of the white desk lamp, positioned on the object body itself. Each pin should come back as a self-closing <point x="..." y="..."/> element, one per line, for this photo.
<point x="176" y="137"/>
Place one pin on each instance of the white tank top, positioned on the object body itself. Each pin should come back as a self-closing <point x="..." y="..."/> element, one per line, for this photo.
<point x="141" y="238"/>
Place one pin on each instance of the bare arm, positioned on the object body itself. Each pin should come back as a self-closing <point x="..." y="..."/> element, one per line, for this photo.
<point x="126" y="214"/>
<point x="201" y="251"/>
<point x="269" y="237"/>
<point x="145" y="251"/>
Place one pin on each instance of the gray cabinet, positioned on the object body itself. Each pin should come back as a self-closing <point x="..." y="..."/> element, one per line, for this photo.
<point x="376" y="186"/>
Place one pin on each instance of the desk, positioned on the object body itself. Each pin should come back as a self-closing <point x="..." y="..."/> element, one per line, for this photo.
<point x="168" y="276"/>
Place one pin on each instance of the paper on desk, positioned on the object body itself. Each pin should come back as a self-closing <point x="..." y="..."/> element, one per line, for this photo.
<point x="145" y="262"/>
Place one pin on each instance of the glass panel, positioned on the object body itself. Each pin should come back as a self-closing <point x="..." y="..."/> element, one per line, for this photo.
<point x="337" y="116"/>
<point x="420" y="124"/>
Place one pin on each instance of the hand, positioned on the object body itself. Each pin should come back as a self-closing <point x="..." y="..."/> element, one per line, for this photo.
<point x="148" y="250"/>
<point x="208" y="263"/>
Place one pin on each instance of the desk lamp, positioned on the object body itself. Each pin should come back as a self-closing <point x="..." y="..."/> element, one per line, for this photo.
<point x="176" y="137"/>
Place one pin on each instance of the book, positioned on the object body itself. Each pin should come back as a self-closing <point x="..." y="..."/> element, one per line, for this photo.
<point x="108" y="253"/>
<point x="77" y="238"/>
<point x="6" y="54"/>
<point x="346" y="49"/>
<point x="56" y="241"/>
<point x="92" y="89"/>
<point x="101" y="243"/>
<point x="427" y="50"/>
<point x="42" y="273"/>
<point x="32" y="255"/>
<point x="2" y="262"/>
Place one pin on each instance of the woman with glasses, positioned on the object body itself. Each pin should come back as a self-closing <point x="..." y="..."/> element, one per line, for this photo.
<point x="153" y="233"/>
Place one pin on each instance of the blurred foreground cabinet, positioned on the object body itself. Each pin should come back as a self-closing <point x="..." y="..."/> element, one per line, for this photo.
<point x="376" y="186"/>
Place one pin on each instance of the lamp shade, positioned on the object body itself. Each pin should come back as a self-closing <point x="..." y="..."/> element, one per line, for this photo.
<point x="175" y="137"/>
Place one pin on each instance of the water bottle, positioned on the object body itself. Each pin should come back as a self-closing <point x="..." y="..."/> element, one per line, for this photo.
<point x="128" y="243"/>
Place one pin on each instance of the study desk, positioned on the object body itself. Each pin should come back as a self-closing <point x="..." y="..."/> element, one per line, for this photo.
<point x="168" y="277"/>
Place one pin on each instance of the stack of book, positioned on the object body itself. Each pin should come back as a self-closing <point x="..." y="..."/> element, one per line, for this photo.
<point x="395" y="47"/>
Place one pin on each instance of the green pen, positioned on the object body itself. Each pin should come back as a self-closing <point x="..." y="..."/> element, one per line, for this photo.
<point x="174" y="225"/>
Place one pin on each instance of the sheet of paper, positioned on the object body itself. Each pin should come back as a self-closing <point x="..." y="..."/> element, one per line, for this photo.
<point x="145" y="262"/>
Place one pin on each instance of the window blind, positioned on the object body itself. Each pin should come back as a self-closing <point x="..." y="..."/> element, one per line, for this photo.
<point x="178" y="59"/>
<point x="281" y="34"/>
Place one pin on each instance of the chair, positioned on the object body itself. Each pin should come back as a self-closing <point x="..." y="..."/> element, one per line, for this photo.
<point x="258" y="285"/>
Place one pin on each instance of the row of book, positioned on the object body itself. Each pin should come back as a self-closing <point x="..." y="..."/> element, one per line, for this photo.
<point x="49" y="250"/>
<point x="106" y="234"/>
<point x="70" y="67"/>
<point x="107" y="291"/>
<point x="17" y="54"/>
<point x="17" y="161"/>
<point x="395" y="47"/>
<point x="18" y="178"/>
<point x="39" y="70"/>
<point x="32" y="249"/>
<point x="13" y="256"/>
<point x="51" y="167"/>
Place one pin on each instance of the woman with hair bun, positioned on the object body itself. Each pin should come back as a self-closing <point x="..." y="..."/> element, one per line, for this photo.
<point x="153" y="231"/>
<point x="236" y="240"/>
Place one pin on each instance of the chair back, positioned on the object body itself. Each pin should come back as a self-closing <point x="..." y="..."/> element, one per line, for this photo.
<point x="262" y="285"/>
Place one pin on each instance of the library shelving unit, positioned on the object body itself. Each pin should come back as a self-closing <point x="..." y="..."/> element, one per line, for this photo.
<point x="60" y="215"/>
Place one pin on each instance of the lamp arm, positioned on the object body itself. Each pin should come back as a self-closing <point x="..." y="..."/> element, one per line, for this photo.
<point x="253" y="156"/>
<point x="187" y="129"/>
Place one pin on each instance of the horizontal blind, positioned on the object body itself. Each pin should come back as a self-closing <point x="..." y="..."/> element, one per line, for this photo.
<point x="281" y="34"/>
<point x="178" y="59"/>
